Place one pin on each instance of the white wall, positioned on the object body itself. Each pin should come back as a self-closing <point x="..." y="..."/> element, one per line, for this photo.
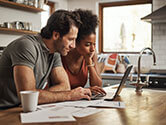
<point x="85" y="4"/>
<point x="10" y="15"/>
<point x="60" y="4"/>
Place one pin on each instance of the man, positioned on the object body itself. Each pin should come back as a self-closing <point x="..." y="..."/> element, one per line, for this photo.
<point x="28" y="62"/>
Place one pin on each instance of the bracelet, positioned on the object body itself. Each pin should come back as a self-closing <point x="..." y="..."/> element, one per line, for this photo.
<point x="90" y="65"/>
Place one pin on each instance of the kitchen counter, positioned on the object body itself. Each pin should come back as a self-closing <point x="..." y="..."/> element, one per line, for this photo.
<point x="154" y="80"/>
<point x="146" y="108"/>
<point x="119" y="76"/>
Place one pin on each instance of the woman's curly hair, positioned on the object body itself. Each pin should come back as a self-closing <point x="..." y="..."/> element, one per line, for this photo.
<point x="89" y="23"/>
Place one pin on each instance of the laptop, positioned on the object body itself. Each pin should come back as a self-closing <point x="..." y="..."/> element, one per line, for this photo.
<point x="112" y="96"/>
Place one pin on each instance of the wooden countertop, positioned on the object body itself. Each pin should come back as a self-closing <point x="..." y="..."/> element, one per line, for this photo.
<point x="148" y="108"/>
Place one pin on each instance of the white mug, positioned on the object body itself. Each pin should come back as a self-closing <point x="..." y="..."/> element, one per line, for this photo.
<point x="29" y="100"/>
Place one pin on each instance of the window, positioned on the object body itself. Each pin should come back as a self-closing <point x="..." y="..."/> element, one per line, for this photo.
<point x="48" y="10"/>
<point x="121" y="27"/>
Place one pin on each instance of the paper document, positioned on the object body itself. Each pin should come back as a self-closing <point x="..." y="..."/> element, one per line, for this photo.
<point x="63" y="112"/>
<point x="86" y="112"/>
<point x="97" y="103"/>
<point x="46" y="106"/>
<point x="57" y="114"/>
<point x="80" y="103"/>
<point x="72" y="110"/>
<point x="109" y="104"/>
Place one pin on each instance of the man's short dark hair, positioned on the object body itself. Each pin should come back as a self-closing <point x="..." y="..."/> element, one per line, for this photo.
<point x="60" y="21"/>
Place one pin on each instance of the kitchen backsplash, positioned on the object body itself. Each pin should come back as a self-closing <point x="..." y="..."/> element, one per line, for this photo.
<point x="159" y="36"/>
<point x="159" y="42"/>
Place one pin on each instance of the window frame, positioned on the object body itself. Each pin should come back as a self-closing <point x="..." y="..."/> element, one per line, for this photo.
<point x="111" y="4"/>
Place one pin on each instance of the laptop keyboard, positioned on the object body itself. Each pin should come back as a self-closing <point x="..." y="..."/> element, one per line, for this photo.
<point x="97" y="96"/>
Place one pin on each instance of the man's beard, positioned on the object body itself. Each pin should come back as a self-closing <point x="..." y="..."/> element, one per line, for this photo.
<point x="64" y="52"/>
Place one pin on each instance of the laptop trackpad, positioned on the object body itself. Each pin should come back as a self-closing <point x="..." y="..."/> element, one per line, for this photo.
<point x="110" y="95"/>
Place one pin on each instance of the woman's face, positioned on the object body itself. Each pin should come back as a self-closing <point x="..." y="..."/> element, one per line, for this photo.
<point x="87" y="46"/>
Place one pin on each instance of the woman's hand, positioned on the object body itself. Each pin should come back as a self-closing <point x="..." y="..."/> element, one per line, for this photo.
<point x="88" y="58"/>
<point x="97" y="90"/>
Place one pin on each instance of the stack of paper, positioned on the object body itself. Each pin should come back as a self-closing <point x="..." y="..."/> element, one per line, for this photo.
<point x="57" y="114"/>
<point x="63" y="112"/>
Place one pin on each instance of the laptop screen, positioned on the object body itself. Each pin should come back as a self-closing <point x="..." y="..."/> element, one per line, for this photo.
<point x="124" y="78"/>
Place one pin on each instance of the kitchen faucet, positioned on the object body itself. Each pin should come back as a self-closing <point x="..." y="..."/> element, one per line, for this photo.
<point x="138" y="83"/>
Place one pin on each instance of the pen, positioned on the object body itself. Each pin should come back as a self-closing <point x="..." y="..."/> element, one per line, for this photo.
<point x="119" y="104"/>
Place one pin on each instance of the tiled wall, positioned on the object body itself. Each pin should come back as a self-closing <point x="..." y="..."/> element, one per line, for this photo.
<point x="159" y="36"/>
<point x="159" y="43"/>
<point x="158" y="3"/>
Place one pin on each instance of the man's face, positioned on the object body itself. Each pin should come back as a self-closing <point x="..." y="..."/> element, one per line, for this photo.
<point x="67" y="42"/>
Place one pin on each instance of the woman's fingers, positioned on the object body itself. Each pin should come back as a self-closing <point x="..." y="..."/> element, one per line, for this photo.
<point x="97" y="90"/>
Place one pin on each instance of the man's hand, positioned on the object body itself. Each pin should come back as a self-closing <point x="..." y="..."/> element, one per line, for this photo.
<point x="80" y="93"/>
<point x="97" y="90"/>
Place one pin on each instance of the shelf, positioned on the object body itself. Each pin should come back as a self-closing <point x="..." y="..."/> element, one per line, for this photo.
<point x="19" y="6"/>
<point x="15" y="31"/>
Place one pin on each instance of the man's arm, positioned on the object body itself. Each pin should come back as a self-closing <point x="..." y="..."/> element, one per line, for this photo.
<point x="59" y="79"/>
<point x="25" y="80"/>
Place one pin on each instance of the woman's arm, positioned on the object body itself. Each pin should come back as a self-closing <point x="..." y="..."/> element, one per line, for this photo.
<point x="94" y="75"/>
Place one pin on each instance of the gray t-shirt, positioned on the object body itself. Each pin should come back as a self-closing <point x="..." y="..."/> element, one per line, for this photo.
<point x="30" y="51"/>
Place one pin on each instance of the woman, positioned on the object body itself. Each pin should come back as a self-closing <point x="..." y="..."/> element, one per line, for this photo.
<point x="83" y="58"/>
